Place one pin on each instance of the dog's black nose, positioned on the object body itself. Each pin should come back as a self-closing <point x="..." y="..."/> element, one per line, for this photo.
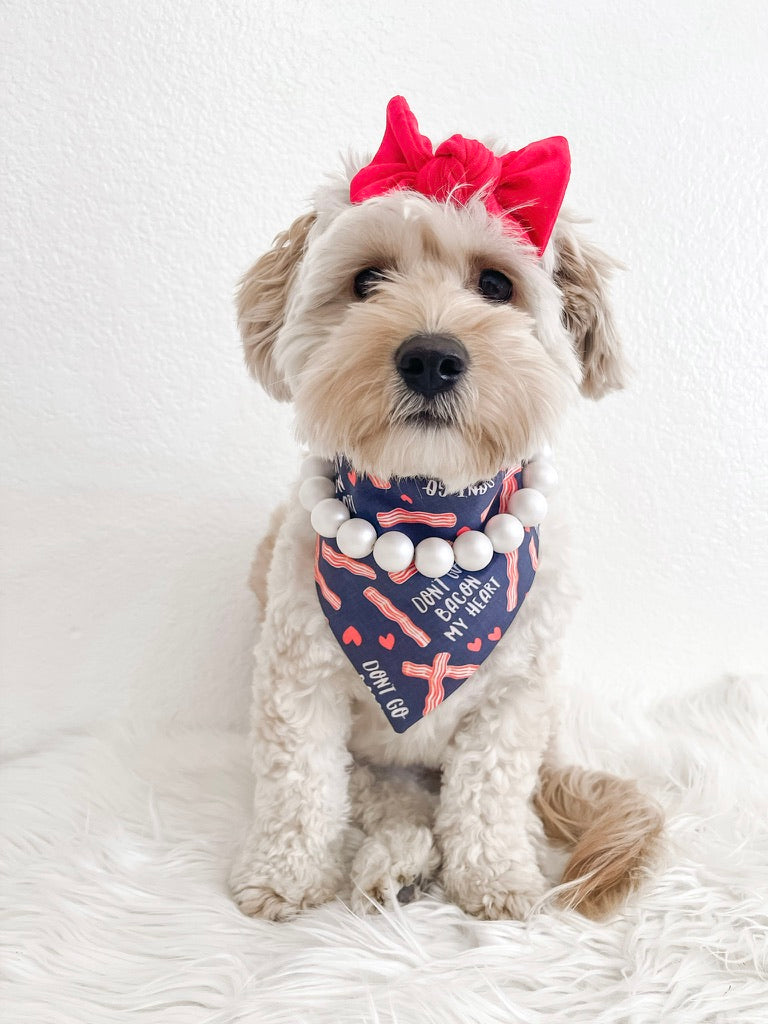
<point x="431" y="363"/>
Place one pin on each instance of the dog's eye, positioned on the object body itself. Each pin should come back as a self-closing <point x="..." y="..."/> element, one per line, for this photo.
<point x="495" y="286"/>
<point x="366" y="281"/>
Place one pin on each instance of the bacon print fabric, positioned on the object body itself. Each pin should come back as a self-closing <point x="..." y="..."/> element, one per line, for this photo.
<point x="415" y="640"/>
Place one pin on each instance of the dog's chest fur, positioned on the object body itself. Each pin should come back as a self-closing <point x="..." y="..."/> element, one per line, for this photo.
<point x="525" y="658"/>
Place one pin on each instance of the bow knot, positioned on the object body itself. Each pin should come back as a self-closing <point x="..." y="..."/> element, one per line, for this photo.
<point x="525" y="188"/>
<point x="459" y="167"/>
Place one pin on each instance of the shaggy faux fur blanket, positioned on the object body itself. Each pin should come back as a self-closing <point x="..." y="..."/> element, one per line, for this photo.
<point x="115" y="907"/>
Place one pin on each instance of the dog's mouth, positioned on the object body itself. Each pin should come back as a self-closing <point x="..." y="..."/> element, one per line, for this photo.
<point x="429" y="418"/>
<point x="437" y="412"/>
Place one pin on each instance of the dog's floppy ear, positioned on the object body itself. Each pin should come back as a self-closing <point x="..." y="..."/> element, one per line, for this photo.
<point x="261" y="298"/>
<point x="582" y="272"/>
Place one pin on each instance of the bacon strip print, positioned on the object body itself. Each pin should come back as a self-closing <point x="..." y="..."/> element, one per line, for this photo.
<point x="339" y="561"/>
<point x="404" y="515"/>
<point x="393" y="613"/>
<point x="383" y="485"/>
<point x="330" y="596"/>
<point x="487" y="509"/>
<point x="508" y="488"/>
<point x="533" y="553"/>
<point x="404" y="575"/>
<point x="435" y="674"/>
<point x="512" y="576"/>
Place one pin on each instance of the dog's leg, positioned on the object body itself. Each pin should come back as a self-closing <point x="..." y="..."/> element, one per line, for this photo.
<point x="485" y="822"/>
<point x="398" y="855"/>
<point x="292" y="855"/>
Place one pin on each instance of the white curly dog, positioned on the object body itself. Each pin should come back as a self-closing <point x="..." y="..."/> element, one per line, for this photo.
<point x="466" y="793"/>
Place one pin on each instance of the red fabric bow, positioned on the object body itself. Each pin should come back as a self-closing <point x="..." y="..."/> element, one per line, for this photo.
<point x="525" y="188"/>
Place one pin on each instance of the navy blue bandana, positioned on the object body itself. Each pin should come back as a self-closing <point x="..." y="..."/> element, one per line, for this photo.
<point x="415" y="640"/>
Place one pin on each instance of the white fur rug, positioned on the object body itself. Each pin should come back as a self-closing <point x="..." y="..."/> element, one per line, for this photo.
<point x="115" y="854"/>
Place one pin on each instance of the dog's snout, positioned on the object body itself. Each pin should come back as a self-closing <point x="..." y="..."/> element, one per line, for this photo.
<point x="431" y="363"/>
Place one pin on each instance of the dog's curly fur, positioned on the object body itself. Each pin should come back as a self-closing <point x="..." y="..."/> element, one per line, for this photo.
<point x="323" y="752"/>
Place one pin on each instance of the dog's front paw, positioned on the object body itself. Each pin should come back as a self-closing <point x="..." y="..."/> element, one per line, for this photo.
<point x="393" y="864"/>
<point x="262" y="887"/>
<point x="260" y="898"/>
<point x="495" y="899"/>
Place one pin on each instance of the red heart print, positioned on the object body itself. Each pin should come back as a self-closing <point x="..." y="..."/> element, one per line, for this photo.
<point x="387" y="641"/>
<point x="404" y="497"/>
<point x="464" y="529"/>
<point x="352" y="636"/>
<point x="495" y="634"/>
<point x="475" y="645"/>
<point x="352" y="475"/>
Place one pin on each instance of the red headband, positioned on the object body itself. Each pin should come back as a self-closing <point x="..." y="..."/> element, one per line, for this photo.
<point x="525" y="188"/>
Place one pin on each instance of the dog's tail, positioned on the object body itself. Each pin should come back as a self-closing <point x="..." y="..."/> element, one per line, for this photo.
<point x="614" y="829"/>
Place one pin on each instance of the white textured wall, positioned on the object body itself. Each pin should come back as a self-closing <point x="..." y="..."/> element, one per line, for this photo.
<point x="155" y="148"/>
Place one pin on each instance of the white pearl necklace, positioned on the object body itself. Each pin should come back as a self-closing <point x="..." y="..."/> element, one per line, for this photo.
<point x="393" y="551"/>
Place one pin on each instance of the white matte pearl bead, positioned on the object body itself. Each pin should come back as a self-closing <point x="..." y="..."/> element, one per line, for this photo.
<point x="393" y="551"/>
<point x="542" y="476"/>
<point x="472" y="550"/>
<point x="542" y="453"/>
<point x="356" y="538"/>
<point x="529" y="506"/>
<point x="505" y="532"/>
<point x="434" y="557"/>
<point x="327" y="516"/>
<point x="314" y="489"/>
<point x="313" y="465"/>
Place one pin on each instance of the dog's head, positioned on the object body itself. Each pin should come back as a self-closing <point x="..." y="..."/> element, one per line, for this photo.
<point x="420" y="337"/>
